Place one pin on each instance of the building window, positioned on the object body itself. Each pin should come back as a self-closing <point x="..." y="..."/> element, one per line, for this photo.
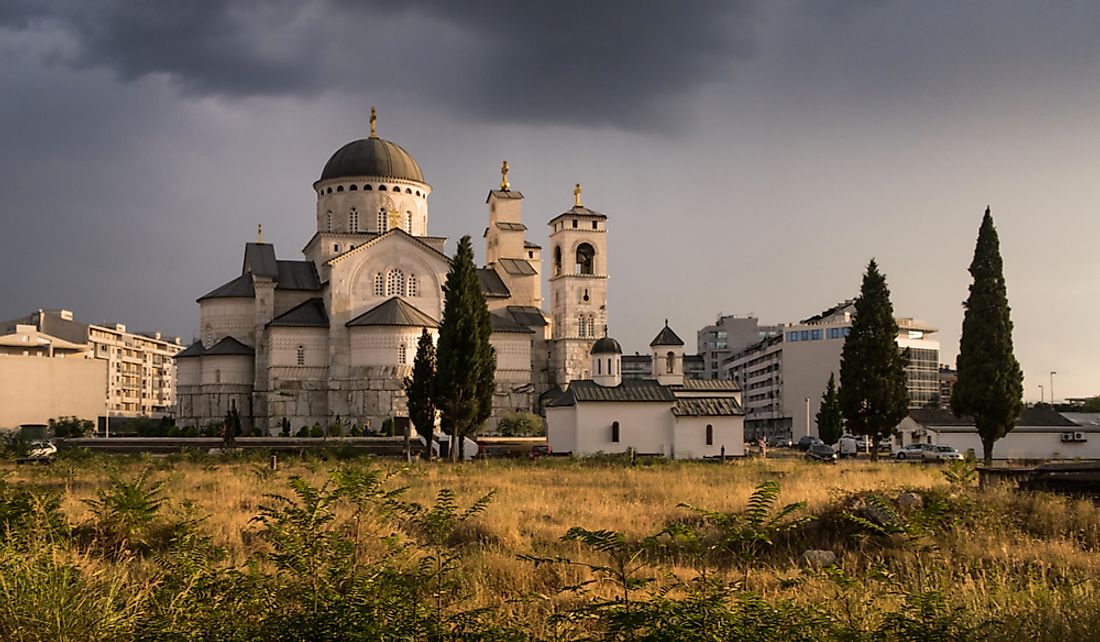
<point x="217" y="376"/>
<point x="335" y="247"/>
<point x="395" y="283"/>
<point x="574" y="223"/>
<point x="670" y="362"/>
<point x="804" y="335"/>
<point x="328" y="221"/>
<point x="610" y="367"/>
<point x="354" y="220"/>
<point x="340" y="188"/>
<point x="557" y="261"/>
<point x="402" y="354"/>
<point x="301" y="355"/>
<point x="615" y="432"/>
<point x="582" y="326"/>
<point x="815" y="335"/>
<point x="382" y="221"/>
<point x="409" y="222"/>
<point x="710" y="435"/>
<point x="353" y="188"/>
<point x="586" y="259"/>
<point x="412" y="287"/>
<point x="379" y="285"/>
<point x="595" y="225"/>
<point x="599" y="367"/>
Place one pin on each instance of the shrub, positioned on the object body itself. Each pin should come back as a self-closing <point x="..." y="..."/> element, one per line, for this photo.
<point x="71" y="427"/>
<point x="521" y="424"/>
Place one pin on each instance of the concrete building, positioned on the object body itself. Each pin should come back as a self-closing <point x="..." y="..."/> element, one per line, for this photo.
<point x="333" y="336"/>
<point x="729" y="335"/>
<point x="664" y="414"/>
<point x="783" y="377"/>
<point x="948" y="377"/>
<point x="139" y="375"/>
<point x="1040" y="434"/>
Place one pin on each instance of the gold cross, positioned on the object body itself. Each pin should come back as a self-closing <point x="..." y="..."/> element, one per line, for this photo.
<point x="577" y="195"/>
<point x="504" y="177"/>
<point x="373" y="123"/>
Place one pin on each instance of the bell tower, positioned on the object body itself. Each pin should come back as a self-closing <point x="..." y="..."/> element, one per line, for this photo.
<point x="578" y="284"/>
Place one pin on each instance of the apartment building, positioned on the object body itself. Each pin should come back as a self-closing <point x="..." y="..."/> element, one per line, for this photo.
<point x="640" y="366"/>
<point x="784" y="376"/>
<point x="729" y="335"/>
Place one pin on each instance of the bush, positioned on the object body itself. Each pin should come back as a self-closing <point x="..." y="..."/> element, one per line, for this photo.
<point x="71" y="427"/>
<point x="316" y="431"/>
<point x="521" y="424"/>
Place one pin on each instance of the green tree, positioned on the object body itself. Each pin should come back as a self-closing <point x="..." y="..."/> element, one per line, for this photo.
<point x="873" y="395"/>
<point x="465" y="362"/>
<point x="418" y="391"/>
<point x="830" y="421"/>
<point x="990" y="384"/>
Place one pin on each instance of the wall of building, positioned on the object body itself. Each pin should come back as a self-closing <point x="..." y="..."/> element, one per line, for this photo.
<point x="36" y="389"/>
<point x="1023" y="444"/>
<point x="689" y="435"/>
<point x="646" y="427"/>
<point x="227" y="317"/>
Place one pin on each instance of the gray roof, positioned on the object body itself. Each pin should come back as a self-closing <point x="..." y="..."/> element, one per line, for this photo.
<point x="238" y="287"/>
<point x="259" y="259"/>
<point x="707" y="407"/>
<point x="193" y="350"/>
<point x="640" y="390"/>
<point x="606" y="345"/>
<point x="229" y="347"/>
<point x="500" y="193"/>
<point x="517" y="267"/>
<point x="491" y="284"/>
<point x="579" y="211"/>
<point x="709" y="385"/>
<point x="666" y="337"/>
<point x="52" y="325"/>
<point x="531" y="246"/>
<point x="1031" y="417"/>
<point x="527" y="315"/>
<point x="394" y="311"/>
<point x="511" y="227"/>
<point x="298" y="275"/>
<point x="308" y="314"/>
<point x="372" y="157"/>
<point x="505" y="324"/>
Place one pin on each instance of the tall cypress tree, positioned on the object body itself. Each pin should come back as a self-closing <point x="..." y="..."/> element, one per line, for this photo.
<point x="418" y="391"/>
<point x="990" y="384"/>
<point x="465" y="362"/>
<point x="830" y="421"/>
<point x="873" y="394"/>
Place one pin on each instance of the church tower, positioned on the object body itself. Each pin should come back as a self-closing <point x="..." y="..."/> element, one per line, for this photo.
<point x="578" y="284"/>
<point x="516" y="260"/>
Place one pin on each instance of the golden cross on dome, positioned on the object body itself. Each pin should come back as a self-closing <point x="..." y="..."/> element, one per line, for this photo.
<point x="373" y="122"/>
<point x="504" y="177"/>
<point x="577" y="195"/>
<point x="395" y="219"/>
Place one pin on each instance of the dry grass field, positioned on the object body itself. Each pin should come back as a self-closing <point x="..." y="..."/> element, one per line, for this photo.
<point x="965" y="564"/>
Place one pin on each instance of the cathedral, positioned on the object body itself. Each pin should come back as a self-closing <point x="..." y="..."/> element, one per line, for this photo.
<point x="332" y="336"/>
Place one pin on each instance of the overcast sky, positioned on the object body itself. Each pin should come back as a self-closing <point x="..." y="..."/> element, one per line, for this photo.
<point x="752" y="156"/>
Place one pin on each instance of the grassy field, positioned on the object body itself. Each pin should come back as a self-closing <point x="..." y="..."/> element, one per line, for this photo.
<point x="162" y="547"/>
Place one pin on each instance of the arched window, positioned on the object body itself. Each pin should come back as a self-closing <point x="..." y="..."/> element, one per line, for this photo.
<point x="382" y="220"/>
<point x="710" y="435"/>
<point x="328" y="191"/>
<point x="412" y="286"/>
<point x="328" y="221"/>
<point x="591" y="325"/>
<point x="340" y="188"/>
<point x="381" y="188"/>
<point x="670" y="362"/>
<point x="402" y="354"/>
<point x="353" y="220"/>
<point x="599" y="367"/>
<point x="557" y="261"/>
<point x="395" y="283"/>
<point x="615" y="432"/>
<point x="408" y="190"/>
<point x="353" y="188"/>
<point x="301" y="355"/>
<point x="409" y="222"/>
<point x="582" y="326"/>
<point x="379" y="285"/>
<point x="418" y="192"/>
<point x="610" y="370"/>
<point x="367" y="188"/>
<point x="586" y="259"/>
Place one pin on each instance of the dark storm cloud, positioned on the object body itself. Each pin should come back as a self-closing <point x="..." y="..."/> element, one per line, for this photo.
<point x="576" y="62"/>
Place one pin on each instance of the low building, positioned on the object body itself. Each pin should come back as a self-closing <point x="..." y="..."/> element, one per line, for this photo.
<point x="663" y="415"/>
<point x="1040" y="434"/>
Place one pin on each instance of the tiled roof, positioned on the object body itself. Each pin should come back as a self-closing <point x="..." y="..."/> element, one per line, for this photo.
<point x="527" y="315"/>
<point x="666" y="337"/>
<point x="531" y="246"/>
<point x="707" y="407"/>
<point x="297" y="275"/>
<point x="505" y="324"/>
<point x="634" y="390"/>
<point x="238" y="287"/>
<point x="709" y="385"/>
<point x="193" y="350"/>
<point x="511" y="227"/>
<point x="579" y="211"/>
<point x="229" y="347"/>
<point x="491" y="284"/>
<point x="394" y="311"/>
<point x="259" y="259"/>
<point x="499" y="193"/>
<point x="1031" y="417"/>
<point x="310" y="313"/>
<point x="517" y="267"/>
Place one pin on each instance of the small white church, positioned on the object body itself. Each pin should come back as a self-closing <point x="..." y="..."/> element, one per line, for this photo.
<point x="666" y="415"/>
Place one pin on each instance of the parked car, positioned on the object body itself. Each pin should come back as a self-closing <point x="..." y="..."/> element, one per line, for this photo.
<point x="821" y="452"/>
<point x="805" y="442"/>
<point x="777" y="441"/>
<point x="942" y="453"/>
<point x="912" y="451"/>
<point x="540" y="450"/>
<point x="848" y="446"/>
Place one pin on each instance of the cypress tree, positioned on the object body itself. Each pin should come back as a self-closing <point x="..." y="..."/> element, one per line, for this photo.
<point x="830" y="421"/>
<point x="418" y="391"/>
<point x="990" y="384"/>
<point x="873" y="395"/>
<point x="465" y="362"/>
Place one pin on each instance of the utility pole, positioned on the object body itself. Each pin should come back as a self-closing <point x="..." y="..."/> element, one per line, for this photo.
<point x="1041" y="398"/>
<point x="1052" y="373"/>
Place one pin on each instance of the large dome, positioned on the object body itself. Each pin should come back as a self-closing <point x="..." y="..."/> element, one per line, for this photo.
<point x="372" y="157"/>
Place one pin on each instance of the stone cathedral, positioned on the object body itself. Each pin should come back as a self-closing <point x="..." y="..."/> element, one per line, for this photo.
<point x="334" y="335"/>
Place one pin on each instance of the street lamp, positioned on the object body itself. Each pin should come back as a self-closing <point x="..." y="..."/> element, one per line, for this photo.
<point x="1052" y="373"/>
<point x="1041" y="393"/>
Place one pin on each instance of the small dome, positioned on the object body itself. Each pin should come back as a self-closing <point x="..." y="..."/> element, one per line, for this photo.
<point x="372" y="157"/>
<point x="606" y="345"/>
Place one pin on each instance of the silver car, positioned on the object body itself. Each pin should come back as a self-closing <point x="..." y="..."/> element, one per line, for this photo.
<point x="942" y="453"/>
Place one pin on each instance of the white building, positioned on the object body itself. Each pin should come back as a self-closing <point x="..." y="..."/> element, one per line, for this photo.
<point x="1040" y="434"/>
<point x="664" y="415"/>
<point x="334" y="335"/>
<point x="784" y="376"/>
